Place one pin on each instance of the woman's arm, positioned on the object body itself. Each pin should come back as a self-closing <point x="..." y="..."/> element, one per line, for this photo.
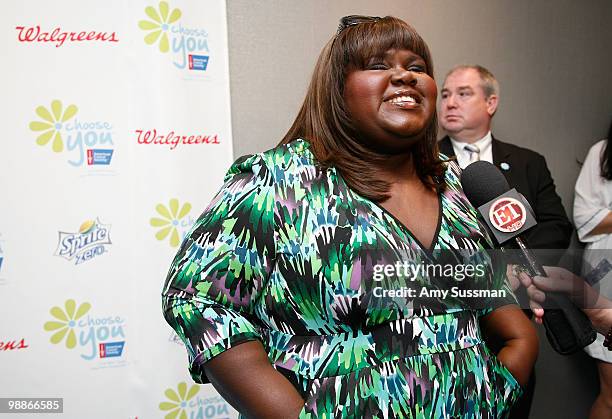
<point x="509" y="329"/>
<point x="245" y="378"/>
<point x="601" y="318"/>
<point x="604" y="226"/>
<point x="211" y="288"/>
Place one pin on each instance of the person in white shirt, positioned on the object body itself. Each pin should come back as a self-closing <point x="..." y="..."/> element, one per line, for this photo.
<point x="593" y="219"/>
<point x="596" y="306"/>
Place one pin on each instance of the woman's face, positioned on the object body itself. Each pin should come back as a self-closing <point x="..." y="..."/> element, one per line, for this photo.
<point x="391" y="101"/>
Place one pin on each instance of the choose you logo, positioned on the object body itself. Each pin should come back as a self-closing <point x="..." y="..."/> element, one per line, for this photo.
<point x="98" y="338"/>
<point x="92" y="240"/>
<point x="86" y="142"/>
<point x="187" y="402"/>
<point x="173" y="222"/>
<point x="187" y="46"/>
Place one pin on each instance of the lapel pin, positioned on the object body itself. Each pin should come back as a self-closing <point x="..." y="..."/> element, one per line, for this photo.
<point x="504" y="166"/>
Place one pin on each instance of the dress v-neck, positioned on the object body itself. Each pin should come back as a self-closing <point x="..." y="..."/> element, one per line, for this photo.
<point x="434" y="240"/>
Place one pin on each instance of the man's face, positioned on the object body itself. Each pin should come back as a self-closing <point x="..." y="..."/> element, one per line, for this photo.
<point x="465" y="112"/>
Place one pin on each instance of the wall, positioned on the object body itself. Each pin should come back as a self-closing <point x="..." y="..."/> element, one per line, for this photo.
<point x="552" y="59"/>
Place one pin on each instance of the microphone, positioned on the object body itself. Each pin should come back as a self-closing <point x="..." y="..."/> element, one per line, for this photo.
<point x="508" y="214"/>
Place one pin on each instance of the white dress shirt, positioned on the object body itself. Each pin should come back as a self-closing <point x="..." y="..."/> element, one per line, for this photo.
<point x="592" y="203"/>
<point x="463" y="156"/>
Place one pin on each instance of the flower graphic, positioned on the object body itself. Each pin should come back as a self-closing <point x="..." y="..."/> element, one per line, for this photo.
<point x="67" y="321"/>
<point x="178" y="401"/>
<point x="160" y="25"/>
<point x="170" y="221"/>
<point x="52" y="124"/>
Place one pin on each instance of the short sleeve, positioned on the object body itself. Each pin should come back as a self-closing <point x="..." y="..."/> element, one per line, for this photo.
<point x="217" y="275"/>
<point x="590" y="207"/>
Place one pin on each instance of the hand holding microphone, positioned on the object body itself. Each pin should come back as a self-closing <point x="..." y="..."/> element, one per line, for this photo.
<point x="507" y="214"/>
<point x="597" y="307"/>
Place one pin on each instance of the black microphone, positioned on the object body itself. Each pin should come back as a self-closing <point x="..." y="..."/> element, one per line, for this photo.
<point x="508" y="214"/>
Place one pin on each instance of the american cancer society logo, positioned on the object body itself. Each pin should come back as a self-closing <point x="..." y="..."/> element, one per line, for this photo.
<point x="187" y="402"/>
<point x="85" y="142"/>
<point x="188" y="46"/>
<point x="1" y="261"/>
<point x="1" y="255"/>
<point x="76" y="327"/>
<point x="92" y="240"/>
<point x="173" y="221"/>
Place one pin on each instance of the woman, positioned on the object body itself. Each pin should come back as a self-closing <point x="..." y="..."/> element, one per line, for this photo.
<point x="276" y="290"/>
<point x="593" y="219"/>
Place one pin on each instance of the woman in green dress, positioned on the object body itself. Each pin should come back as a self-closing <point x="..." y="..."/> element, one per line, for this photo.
<point x="299" y="291"/>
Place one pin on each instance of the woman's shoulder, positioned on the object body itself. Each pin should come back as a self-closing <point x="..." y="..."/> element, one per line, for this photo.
<point x="276" y="162"/>
<point x="594" y="154"/>
<point x="598" y="147"/>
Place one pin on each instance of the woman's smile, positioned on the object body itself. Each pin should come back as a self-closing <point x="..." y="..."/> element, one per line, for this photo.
<point x="404" y="99"/>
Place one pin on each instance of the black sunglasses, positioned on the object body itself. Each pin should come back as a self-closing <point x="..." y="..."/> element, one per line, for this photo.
<point x="353" y="20"/>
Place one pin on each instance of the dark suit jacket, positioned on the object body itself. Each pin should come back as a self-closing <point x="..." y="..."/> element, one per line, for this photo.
<point x="530" y="176"/>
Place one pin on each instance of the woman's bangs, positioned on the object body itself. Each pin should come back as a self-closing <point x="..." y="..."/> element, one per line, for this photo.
<point x="372" y="40"/>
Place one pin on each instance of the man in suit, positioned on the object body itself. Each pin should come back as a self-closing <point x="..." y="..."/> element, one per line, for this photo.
<point x="468" y="102"/>
<point x="469" y="99"/>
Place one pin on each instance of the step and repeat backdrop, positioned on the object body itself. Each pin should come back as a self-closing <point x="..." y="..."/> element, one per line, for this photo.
<point x="116" y="134"/>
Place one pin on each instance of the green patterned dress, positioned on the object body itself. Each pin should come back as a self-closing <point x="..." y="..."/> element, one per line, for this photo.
<point x="286" y="253"/>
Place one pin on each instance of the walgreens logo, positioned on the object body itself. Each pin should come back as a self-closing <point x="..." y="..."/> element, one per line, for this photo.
<point x="172" y="139"/>
<point x="13" y="345"/>
<point x="58" y="36"/>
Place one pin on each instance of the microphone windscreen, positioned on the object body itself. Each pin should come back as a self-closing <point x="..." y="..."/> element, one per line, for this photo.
<point x="482" y="182"/>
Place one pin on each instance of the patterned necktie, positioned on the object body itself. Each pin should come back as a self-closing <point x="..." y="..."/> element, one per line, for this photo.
<point x="474" y="152"/>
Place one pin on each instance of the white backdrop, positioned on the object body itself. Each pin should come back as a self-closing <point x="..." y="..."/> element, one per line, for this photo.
<point x="116" y="134"/>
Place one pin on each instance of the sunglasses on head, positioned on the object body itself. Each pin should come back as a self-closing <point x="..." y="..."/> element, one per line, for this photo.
<point x="354" y="20"/>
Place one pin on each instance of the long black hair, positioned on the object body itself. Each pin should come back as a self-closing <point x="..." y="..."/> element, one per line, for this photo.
<point x="606" y="157"/>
